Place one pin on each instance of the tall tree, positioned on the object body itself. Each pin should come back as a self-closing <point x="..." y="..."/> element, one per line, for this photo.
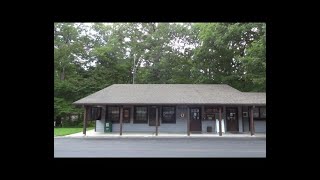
<point x="92" y="56"/>
<point x="222" y="51"/>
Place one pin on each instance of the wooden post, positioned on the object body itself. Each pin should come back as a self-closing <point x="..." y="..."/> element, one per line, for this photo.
<point x="85" y="120"/>
<point x="156" y="121"/>
<point x="188" y="119"/>
<point x="220" y="126"/>
<point x="121" y="119"/>
<point x="251" y="122"/>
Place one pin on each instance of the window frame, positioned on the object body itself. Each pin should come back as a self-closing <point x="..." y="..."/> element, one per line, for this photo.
<point x="259" y="117"/>
<point x="163" y="120"/>
<point x="93" y="115"/>
<point x="261" y="113"/>
<point x="108" y="115"/>
<point x="135" y="116"/>
<point x="214" y="113"/>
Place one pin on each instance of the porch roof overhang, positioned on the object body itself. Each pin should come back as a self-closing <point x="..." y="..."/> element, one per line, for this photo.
<point x="172" y="94"/>
<point x="158" y="104"/>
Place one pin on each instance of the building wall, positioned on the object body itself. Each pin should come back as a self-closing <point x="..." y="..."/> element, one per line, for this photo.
<point x="207" y="123"/>
<point x="179" y="127"/>
<point x="245" y="120"/>
<point x="130" y="127"/>
<point x="100" y="123"/>
<point x="181" y="123"/>
<point x="260" y="126"/>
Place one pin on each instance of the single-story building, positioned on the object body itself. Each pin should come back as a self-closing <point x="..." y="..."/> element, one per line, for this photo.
<point x="175" y="108"/>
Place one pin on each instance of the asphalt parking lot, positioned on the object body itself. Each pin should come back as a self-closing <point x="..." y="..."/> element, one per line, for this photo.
<point x="160" y="147"/>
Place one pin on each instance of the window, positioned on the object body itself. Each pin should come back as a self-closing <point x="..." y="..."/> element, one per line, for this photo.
<point x="168" y="115"/>
<point x="256" y="112"/>
<point x="126" y="115"/>
<point x="140" y="115"/>
<point x="211" y="113"/>
<point x="96" y="113"/>
<point x="245" y="114"/>
<point x="259" y="113"/>
<point x="263" y="112"/>
<point x="113" y="114"/>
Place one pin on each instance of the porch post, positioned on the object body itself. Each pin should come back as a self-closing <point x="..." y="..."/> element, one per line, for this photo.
<point x="121" y="119"/>
<point x="156" y="121"/>
<point x="85" y="120"/>
<point x="251" y="122"/>
<point x="220" y="127"/>
<point x="188" y="121"/>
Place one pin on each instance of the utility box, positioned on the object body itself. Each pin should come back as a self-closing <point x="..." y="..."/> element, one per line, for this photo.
<point x="209" y="128"/>
<point x="108" y="126"/>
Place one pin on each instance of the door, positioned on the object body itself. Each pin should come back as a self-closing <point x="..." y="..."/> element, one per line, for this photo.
<point x="195" y="119"/>
<point x="232" y="119"/>
<point x="153" y="116"/>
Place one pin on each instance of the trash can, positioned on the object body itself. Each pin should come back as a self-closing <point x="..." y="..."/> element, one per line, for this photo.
<point x="108" y="126"/>
<point x="209" y="128"/>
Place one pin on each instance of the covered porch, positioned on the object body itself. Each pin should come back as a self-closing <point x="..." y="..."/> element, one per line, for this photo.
<point x="176" y="119"/>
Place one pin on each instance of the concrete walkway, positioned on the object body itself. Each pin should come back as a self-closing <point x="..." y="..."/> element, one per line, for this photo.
<point x="92" y="134"/>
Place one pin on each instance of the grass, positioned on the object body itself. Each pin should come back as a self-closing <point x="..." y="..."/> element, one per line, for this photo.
<point x="66" y="131"/>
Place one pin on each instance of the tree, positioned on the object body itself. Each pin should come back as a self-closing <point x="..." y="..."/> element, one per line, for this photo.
<point x="91" y="56"/>
<point x="222" y="56"/>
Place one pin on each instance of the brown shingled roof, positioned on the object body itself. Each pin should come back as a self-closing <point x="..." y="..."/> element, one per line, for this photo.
<point x="172" y="94"/>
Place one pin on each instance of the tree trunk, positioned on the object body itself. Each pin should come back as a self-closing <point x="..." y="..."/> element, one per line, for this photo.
<point x="62" y="74"/>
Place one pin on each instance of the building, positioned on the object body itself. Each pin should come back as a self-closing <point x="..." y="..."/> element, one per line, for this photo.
<point x="175" y="108"/>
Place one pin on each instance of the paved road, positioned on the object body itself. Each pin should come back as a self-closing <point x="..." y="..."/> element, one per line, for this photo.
<point x="160" y="147"/>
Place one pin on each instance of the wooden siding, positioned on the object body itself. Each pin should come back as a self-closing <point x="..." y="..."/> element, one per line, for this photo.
<point x="205" y="124"/>
<point x="100" y="125"/>
<point x="260" y="126"/>
<point x="245" y="120"/>
<point x="180" y="126"/>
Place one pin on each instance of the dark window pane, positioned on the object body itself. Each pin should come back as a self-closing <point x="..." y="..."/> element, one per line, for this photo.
<point x="141" y="115"/>
<point x="211" y="112"/>
<point x="168" y="115"/>
<point x="263" y="112"/>
<point x="95" y="113"/>
<point x="114" y="114"/>
<point x="256" y="112"/>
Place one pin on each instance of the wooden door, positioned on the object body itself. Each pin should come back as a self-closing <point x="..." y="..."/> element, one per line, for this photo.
<point x="195" y="119"/>
<point x="232" y="119"/>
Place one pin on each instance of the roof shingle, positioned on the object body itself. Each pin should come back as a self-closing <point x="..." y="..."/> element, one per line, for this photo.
<point x="172" y="94"/>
